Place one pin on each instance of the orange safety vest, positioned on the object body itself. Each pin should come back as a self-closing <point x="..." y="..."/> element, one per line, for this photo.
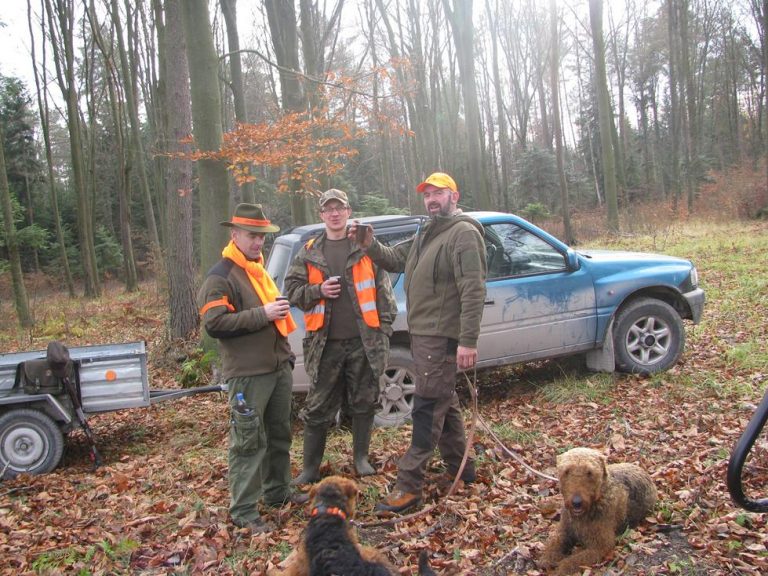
<point x="365" y="287"/>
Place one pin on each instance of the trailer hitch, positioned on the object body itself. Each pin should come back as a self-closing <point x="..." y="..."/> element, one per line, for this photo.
<point x="739" y="456"/>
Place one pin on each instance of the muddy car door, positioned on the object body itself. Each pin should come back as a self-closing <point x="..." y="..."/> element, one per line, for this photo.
<point x="537" y="304"/>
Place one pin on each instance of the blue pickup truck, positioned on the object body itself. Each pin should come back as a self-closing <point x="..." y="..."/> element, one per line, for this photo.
<point x="624" y="310"/>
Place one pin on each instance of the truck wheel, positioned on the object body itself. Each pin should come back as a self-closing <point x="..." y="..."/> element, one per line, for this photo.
<point x="398" y="383"/>
<point x="30" y="441"/>
<point x="649" y="337"/>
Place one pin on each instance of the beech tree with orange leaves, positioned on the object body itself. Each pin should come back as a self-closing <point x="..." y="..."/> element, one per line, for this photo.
<point x="306" y="147"/>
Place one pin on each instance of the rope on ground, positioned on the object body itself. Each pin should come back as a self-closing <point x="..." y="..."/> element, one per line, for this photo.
<point x="476" y="418"/>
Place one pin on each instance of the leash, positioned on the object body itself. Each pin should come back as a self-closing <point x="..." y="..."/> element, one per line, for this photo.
<point x="476" y="418"/>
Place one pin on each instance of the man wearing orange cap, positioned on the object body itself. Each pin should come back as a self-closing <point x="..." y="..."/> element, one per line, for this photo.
<point x="445" y="269"/>
<point x="240" y="306"/>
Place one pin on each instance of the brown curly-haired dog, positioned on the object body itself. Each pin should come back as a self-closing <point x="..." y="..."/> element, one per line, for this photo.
<point x="599" y="502"/>
<point x="330" y="545"/>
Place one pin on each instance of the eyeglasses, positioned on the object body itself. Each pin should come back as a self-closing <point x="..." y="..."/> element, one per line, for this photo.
<point x="336" y="210"/>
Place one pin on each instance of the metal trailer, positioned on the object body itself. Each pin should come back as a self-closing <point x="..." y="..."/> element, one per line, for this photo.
<point x="32" y="426"/>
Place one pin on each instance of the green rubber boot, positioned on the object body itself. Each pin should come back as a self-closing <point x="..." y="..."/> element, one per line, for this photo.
<point x="314" y="447"/>
<point x="362" y="426"/>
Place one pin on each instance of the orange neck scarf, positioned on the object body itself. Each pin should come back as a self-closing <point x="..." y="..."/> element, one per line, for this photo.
<point x="262" y="283"/>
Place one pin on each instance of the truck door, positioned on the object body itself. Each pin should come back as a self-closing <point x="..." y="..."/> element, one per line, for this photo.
<point x="534" y="307"/>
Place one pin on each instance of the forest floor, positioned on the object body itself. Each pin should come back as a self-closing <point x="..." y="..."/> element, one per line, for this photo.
<point x="158" y="505"/>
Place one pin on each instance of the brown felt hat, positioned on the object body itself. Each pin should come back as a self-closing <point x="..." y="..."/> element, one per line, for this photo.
<point x="250" y="217"/>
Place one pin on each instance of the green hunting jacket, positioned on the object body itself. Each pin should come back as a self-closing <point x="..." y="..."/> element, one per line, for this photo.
<point x="304" y="296"/>
<point x="445" y="271"/>
<point x="249" y="343"/>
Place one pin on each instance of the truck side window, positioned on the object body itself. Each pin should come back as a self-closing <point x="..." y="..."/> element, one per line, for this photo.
<point x="513" y="251"/>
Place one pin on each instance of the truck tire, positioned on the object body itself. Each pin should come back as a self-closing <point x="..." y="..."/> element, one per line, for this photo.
<point x="649" y="337"/>
<point x="398" y="383"/>
<point x="30" y="441"/>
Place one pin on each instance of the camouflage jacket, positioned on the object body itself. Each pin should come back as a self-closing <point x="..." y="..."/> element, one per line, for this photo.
<point x="304" y="295"/>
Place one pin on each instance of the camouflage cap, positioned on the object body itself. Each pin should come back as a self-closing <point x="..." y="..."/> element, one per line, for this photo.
<point x="334" y="194"/>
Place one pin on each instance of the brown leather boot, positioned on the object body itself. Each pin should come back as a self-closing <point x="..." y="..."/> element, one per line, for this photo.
<point x="398" y="502"/>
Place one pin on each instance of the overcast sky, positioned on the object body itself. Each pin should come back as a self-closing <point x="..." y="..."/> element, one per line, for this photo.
<point x="15" y="59"/>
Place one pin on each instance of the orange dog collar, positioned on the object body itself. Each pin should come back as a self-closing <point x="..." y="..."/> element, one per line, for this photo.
<point x="334" y="511"/>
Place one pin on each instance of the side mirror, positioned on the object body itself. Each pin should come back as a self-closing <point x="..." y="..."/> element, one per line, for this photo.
<point x="571" y="260"/>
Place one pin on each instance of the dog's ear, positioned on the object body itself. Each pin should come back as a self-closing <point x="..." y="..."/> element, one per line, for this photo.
<point x="603" y="460"/>
<point x="350" y="489"/>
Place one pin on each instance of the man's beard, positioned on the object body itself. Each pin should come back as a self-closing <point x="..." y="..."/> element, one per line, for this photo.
<point x="443" y="211"/>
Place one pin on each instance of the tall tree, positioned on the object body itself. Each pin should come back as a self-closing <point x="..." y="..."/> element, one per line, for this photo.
<point x="674" y="111"/>
<point x="229" y="9"/>
<point x="604" y="113"/>
<point x="504" y="144"/>
<point x="459" y="14"/>
<point x="61" y="24"/>
<point x="689" y="95"/>
<point x="43" y="109"/>
<point x="281" y="15"/>
<point x="9" y="228"/>
<point x="179" y="260"/>
<point x="130" y="82"/>
<point x="122" y="169"/>
<point x="554" y="75"/>
<point x="206" y="128"/>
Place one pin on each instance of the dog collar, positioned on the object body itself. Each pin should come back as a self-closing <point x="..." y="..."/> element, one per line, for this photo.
<point x="334" y="511"/>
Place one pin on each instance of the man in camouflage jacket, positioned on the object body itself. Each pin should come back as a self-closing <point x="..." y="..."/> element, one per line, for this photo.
<point x="349" y="309"/>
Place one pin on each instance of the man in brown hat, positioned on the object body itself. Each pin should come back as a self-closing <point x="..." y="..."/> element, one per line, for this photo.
<point x="348" y="313"/>
<point x="239" y="306"/>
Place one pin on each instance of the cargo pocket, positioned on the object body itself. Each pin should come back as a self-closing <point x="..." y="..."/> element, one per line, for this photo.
<point x="245" y="432"/>
<point x="434" y="368"/>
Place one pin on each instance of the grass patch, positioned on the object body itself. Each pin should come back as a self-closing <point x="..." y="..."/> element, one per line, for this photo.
<point x="513" y="435"/>
<point x="748" y="356"/>
<point x="573" y="388"/>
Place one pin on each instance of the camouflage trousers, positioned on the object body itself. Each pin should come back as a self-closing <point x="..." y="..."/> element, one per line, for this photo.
<point x="438" y="421"/>
<point x="260" y="443"/>
<point x="344" y="376"/>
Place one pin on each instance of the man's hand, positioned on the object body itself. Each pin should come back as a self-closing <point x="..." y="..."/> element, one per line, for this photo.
<point x="465" y="357"/>
<point x="331" y="288"/>
<point x="362" y="234"/>
<point x="277" y="310"/>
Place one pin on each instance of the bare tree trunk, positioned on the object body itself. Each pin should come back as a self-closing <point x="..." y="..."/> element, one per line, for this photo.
<point x="180" y="263"/>
<point x="459" y="14"/>
<point x="122" y="170"/>
<point x="229" y="9"/>
<point x="554" y="71"/>
<point x="604" y="111"/>
<point x="505" y="149"/>
<point x="206" y="117"/>
<point x="137" y="146"/>
<point x="14" y="259"/>
<point x="42" y="105"/>
<point x="674" y="112"/>
<point x="65" y="68"/>
<point x="691" y="135"/>
<point x="281" y="15"/>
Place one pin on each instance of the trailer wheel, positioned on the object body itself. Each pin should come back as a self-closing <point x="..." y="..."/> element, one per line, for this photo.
<point x="30" y="441"/>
